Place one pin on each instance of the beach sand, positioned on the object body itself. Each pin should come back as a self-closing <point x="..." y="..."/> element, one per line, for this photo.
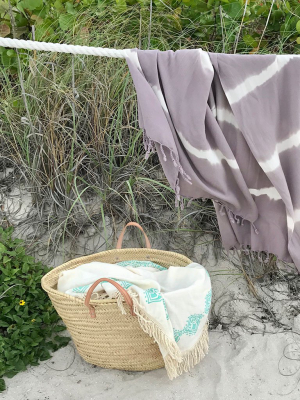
<point x="237" y="369"/>
<point x="254" y="341"/>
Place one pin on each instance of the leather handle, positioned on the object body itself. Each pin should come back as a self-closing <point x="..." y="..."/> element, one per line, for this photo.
<point x="120" y="240"/>
<point x="126" y="296"/>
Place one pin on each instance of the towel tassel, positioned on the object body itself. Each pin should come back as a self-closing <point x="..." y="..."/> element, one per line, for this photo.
<point x="259" y="256"/>
<point x="163" y="152"/>
<point x="190" y="202"/>
<point x="173" y="159"/>
<point x="245" y="249"/>
<point x="148" y="145"/>
<point x="231" y="216"/>
<point x="222" y="212"/>
<point x="181" y="203"/>
<point x="267" y="259"/>
<point x="177" y="193"/>
<point x="185" y="176"/>
<point x="238" y="221"/>
<point x="255" y="229"/>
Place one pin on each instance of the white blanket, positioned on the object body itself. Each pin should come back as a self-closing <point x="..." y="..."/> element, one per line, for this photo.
<point x="172" y="304"/>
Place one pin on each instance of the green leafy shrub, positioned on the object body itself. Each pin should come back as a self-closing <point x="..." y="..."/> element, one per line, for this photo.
<point x="239" y="25"/>
<point x="28" y="321"/>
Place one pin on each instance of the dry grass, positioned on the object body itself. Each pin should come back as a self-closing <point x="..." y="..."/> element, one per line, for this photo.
<point x="69" y="130"/>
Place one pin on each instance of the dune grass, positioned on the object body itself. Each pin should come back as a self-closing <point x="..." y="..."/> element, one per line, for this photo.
<point x="69" y="128"/>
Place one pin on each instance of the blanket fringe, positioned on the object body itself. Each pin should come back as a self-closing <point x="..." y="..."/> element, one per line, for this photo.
<point x="153" y="330"/>
<point x="176" y="362"/>
<point x="262" y="255"/>
<point x="190" y="358"/>
<point x="149" y="146"/>
<point x="234" y="218"/>
<point x="120" y="300"/>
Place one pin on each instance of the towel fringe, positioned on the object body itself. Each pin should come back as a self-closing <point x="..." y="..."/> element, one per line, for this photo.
<point x="149" y="146"/>
<point x="182" y="203"/>
<point x="185" y="176"/>
<point x="267" y="259"/>
<point x="190" y="202"/>
<point x="175" y="362"/>
<point x="177" y="193"/>
<point x="153" y="330"/>
<point x="163" y="152"/>
<point x="231" y="216"/>
<point x="234" y="218"/>
<point x="255" y="229"/>
<point x="173" y="159"/>
<point x="244" y="248"/>
<point x="120" y="302"/>
<point x="222" y="212"/>
<point x="179" y="200"/>
<point x="190" y="358"/>
<point x="262" y="255"/>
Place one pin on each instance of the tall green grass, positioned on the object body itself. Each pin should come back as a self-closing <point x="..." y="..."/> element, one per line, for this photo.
<point x="73" y="137"/>
<point x="69" y="128"/>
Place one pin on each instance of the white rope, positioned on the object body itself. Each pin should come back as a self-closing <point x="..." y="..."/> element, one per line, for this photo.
<point x="63" y="48"/>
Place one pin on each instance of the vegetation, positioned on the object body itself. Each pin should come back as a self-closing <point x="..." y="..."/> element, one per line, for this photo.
<point x="73" y="136"/>
<point x="68" y="124"/>
<point x="219" y="25"/>
<point x="28" y="321"/>
<point x="69" y="134"/>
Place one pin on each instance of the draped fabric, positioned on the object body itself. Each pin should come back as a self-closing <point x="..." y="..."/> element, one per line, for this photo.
<point x="227" y="127"/>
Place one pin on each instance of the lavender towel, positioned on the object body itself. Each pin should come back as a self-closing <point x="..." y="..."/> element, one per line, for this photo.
<point x="227" y="127"/>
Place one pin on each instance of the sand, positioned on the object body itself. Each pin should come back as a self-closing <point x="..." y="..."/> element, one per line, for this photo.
<point x="239" y="365"/>
<point x="245" y="368"/>
<point x="254" y="345"/>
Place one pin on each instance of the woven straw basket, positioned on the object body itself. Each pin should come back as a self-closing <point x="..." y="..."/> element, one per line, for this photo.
<point x="102" y="335"/>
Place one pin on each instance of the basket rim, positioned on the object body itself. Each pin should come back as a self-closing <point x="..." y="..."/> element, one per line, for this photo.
<point x="79" y="260"/>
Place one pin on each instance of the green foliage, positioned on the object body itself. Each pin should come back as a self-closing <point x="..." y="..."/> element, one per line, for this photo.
<point x="85" y="161"/>
<point x="89" y="133"/>
<point x="209" y="21"/>
<point x="28" y="321"/>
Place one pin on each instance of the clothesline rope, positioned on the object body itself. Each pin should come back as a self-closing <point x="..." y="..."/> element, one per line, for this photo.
<point x="69" y="48"/>
<point x="63" y="48"/>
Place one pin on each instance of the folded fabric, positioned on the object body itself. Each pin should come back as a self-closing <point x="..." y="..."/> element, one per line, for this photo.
<point x="227" y="127"/>
<point x="171" y="304"/>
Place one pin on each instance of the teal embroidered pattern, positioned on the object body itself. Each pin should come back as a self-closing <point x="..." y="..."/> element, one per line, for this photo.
<point x="166" y="310"/>
<point x="152" y="295"/>
<point x="207" y="302"/>
<point x="124" y="284"/>
<point x="190" y="328"/>
<point x="80" y="289"/>
<point x="137" y="264"/>
<point x="177" y="335"/>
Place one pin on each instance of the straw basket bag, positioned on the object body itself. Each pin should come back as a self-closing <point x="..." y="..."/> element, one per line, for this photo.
<point x="102" y="335"/>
